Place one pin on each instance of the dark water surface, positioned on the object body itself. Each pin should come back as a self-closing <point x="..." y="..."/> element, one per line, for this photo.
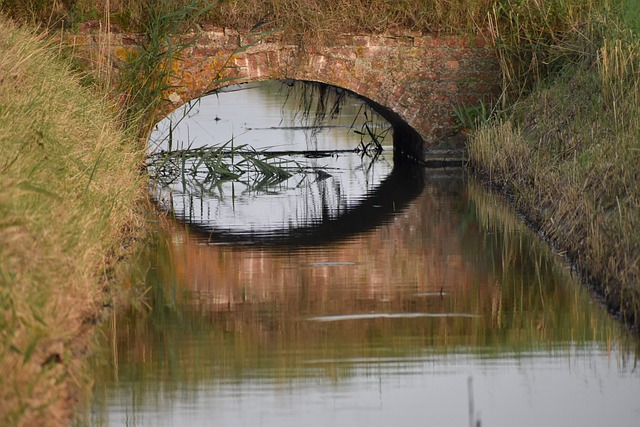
<point x="428" y="304"/>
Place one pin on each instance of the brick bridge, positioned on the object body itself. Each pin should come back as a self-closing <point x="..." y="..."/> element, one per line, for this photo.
<point x="412" y="79"/>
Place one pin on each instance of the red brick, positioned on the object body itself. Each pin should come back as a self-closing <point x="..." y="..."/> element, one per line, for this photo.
<point x="428" y="41"/>
<point x="456" y="42"/>
<point x="440" y="98"/>
<point x="204" y="51"/>
<point x="129" y="41"/>
<point x="452" y="65"/>
<point x="421" y="77"/>
<point x="361" y="41"/>
<point x="424" y="75"/>
<point x="392" y="41"/>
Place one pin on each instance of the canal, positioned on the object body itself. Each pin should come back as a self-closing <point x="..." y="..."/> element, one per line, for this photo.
<point x="299" y="274"/>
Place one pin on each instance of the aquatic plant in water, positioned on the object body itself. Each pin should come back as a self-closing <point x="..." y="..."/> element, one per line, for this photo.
<point x="209" y="164"/>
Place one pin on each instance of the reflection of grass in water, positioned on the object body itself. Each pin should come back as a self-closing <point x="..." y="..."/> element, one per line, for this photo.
<point x="535" y="277"/>
<point x="208" y="166"/>
<point x="316" y="103"/>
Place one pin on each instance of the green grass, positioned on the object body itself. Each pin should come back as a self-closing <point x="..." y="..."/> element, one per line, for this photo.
<point x="70" y="188"/>
<point x="631" y="14"/>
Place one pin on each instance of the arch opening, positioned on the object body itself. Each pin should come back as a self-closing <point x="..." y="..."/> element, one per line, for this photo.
<point x="228" y="162"/>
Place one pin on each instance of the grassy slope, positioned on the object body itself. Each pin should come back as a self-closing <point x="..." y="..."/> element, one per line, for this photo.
<point x="569" y="154"/>
<point x="69" y="186"/>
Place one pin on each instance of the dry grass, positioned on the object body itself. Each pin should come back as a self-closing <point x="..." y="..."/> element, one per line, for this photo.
<point x="325" y="18"/>
<point x="569" y="154"/>
<point x="69" y="188"/>
<point x="296" y="16"/>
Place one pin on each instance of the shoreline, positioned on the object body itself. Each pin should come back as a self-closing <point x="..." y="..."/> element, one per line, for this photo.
<point x="592" y="284"/>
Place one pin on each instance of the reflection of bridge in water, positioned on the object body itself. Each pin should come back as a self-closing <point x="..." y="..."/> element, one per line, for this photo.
<point x="392" y="195"/>
<point x="399" y="261"/>
<point x="234" y="321"/>
<point x="433" y="257"/>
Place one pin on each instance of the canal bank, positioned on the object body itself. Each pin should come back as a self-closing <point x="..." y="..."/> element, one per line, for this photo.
<point x="69" y="209"/>
<point x="567" y="155"/>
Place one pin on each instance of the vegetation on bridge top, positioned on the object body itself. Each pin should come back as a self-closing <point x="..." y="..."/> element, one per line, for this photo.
<point x="319" y="17"/>
<point x="297" y="16"/>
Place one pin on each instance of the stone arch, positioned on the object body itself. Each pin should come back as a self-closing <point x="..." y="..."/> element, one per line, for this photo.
<point x="415" y="81"/>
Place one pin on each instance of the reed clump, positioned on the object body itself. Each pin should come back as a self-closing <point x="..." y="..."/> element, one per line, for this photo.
<point x="70" y="189"/>
<point x="567" y="150"/>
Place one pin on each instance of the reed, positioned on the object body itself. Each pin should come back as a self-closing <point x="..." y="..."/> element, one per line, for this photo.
<point x="207" y="167"/>
<point x="144" y="77"/>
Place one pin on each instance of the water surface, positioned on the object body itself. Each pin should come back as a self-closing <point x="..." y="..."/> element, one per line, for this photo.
<point x="430" y="304"/>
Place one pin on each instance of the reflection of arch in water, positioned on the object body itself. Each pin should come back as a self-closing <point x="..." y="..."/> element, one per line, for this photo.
<point x="403" y="184"/>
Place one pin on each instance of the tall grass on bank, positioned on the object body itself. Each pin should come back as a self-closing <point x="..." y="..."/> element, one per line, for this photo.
<point x="298" y="17"/>
<point x="569" y="154"/>
<point x="70" y="184"/>
<point x="144" y="77"/>
<point x="535" y="40"/>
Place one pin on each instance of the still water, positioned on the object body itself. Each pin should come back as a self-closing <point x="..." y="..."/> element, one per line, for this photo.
<point x="420" y="301"/>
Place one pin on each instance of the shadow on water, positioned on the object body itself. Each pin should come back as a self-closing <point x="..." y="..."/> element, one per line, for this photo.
<point x="395" y="192"/>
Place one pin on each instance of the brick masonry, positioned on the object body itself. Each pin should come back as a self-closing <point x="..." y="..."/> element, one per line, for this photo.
<point x="416" y="78"/>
